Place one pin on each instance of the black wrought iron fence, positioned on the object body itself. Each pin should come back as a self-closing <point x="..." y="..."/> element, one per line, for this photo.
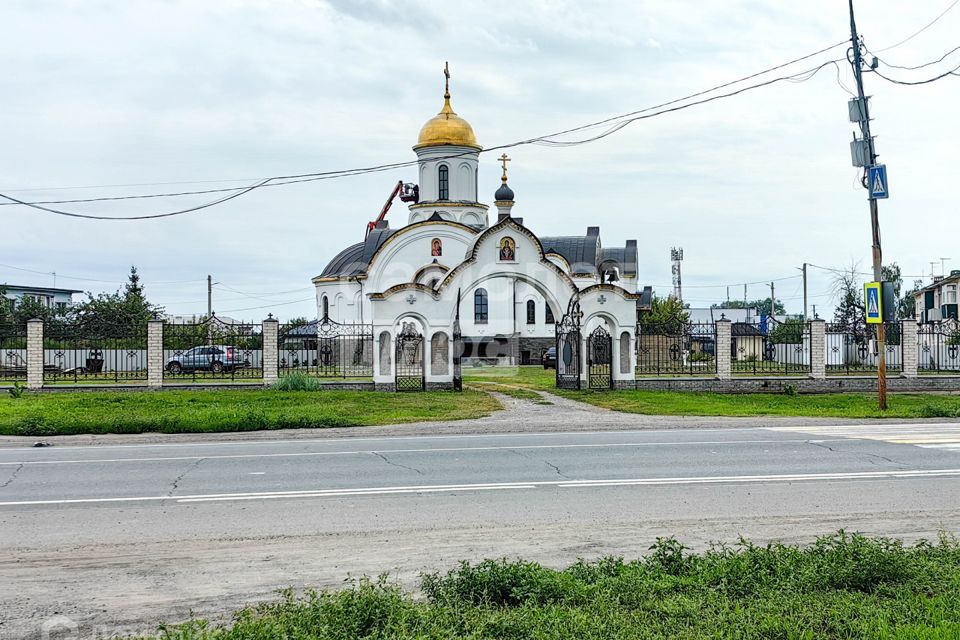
<point x="13" y="353"/>
<point x="938" y="347"/>
<point x="327" y="349"/>
<point x="853" y="349"/>
<point x="212" y="350"/>
<point x="770" y="347"/>
<point x="683" y="349"/>
<point x="104" y="355"/>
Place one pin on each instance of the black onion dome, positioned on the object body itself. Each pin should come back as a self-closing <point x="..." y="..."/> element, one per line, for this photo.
<point x="504" y="193"/>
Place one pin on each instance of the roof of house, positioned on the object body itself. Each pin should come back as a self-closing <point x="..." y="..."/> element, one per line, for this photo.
<point x="953" y="277"/>
<point x="28" y="289"/>
<point x="745" y="330"/>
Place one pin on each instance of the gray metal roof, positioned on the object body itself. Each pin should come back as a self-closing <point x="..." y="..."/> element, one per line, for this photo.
<point x="580" y="251"/>
<point x="355" y="259"/>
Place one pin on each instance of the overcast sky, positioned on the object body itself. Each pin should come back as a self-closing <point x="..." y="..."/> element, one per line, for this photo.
<point x="228" y="91"/>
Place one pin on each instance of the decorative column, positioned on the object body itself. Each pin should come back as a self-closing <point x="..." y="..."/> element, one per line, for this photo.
<point x="722" y="348"/>
<point x="155" y="354"/>
<point x="35" y="354"/>
<point x="818" y="349"/>
<point x="270" y="354"/>
<point x="908" y="343"/>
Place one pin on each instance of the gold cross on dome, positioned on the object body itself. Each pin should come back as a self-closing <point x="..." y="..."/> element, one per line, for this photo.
<point x="504" y="160"/>
<point x="446" y="74"/>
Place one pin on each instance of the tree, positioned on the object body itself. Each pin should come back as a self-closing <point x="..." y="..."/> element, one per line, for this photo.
<point x="116" y="313"/>
<point x="906" y="307"/>
<point x="762" y="305"/>
<point x="790" y="331"/>
<point x="666" y="316"/>
<point x="848" y="293"/>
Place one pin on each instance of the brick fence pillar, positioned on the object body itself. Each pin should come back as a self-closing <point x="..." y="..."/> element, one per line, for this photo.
<point x="722" y="349"/>
<point x="270" y="353"/>
<point x="155" y="354"/>
<point x="818" y="349"/>
<point x="35" y="354"/>
<point x="908" y="342"/>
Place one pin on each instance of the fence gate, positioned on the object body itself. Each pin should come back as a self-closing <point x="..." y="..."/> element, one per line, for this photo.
<point x="600" y="359"/>
<point x="568" y="347"/>
<point x="410" y="373"/>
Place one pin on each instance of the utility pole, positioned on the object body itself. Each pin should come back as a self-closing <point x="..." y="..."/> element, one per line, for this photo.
<point x="209" y="296"/>
<point x="814" y="312"/>
<point x="857" y="64"/>
<point x="773" y="303"/>
<point x="804" y="291"/>
<point x="728" y="295"/>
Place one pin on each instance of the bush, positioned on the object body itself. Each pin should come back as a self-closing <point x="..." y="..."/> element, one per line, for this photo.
<point x="297" y="381"/>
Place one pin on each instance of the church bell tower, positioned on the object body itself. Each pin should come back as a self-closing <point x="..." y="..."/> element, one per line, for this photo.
<point x="448" y="158"/>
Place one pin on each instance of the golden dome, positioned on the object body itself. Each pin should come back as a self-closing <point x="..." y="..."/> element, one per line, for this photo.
<point x="447" y="128"/>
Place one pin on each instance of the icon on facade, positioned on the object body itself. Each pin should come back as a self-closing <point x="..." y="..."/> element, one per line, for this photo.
<point x="436" y="247"/>
<point x="508" y="250"/>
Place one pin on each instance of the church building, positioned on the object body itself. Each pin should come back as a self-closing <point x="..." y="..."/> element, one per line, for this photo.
<point x="463" y="285"/>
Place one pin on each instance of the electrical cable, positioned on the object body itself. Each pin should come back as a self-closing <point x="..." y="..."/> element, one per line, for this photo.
<point x="279" y="180"/>
<point x="915" y="34"/>
<point x="68" y="277"/>
<point x="952" y="72"/>
<point x="919" y="66"/>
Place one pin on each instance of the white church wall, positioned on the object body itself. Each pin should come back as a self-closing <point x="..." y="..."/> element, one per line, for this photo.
<point x="409" y="250"/>
<point x="343" y="300"/>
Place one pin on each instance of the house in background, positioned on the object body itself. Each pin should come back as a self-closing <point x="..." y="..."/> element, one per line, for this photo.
<point x="58" y="299"/>
<point x="938" y="301"/>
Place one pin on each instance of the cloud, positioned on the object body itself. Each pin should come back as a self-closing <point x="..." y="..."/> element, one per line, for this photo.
<point x="104" y="93"/>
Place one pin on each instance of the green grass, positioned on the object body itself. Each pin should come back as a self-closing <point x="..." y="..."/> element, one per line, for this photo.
<point x="840" y="587"/>
<point x="680" y="403"/>
<point x="834" y="405"/>
<point x="168" y="411"/>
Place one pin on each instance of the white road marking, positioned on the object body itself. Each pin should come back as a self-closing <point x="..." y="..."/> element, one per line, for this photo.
<point x="296" y="454"/>
<point x="464" y="435"/>
<point x="564" y="484"/>
<point x="938" y="435"/>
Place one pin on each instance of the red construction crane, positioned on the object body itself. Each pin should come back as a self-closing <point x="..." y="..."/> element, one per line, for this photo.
<point x="407" y="191"/>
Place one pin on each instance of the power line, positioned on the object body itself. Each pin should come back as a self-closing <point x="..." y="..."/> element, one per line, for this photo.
<point x="919" y="66"/>
<point x="732" y="284"/>
<point x="929" y="24"/>
<point x="952" y="72"/>
<point x="265" y="306"/>
<point x="68" y="277"/>
<point x="545" y="139"/>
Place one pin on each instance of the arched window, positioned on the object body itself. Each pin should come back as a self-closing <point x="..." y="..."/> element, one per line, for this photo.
<point x="531" y="312"/>
<point x="443" y="181"/>
<point x="550" y="319"/>
<point x="326" y="306"/>
<point x="481" y="309"/>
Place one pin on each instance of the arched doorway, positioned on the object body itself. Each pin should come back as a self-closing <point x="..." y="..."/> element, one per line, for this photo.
<point x="600" y="359"/>
<point x="410" y="366"/>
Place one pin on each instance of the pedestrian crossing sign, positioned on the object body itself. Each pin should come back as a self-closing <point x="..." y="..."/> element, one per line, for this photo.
<point x="874" y="302"/>
<point x="878" y="182"/>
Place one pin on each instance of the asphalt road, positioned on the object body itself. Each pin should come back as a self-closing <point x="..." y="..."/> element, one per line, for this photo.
<point x="119" y="537"/>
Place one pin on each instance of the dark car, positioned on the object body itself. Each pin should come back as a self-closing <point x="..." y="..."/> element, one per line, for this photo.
<point x="550" y="358"/>
<point x="215" y="358"/>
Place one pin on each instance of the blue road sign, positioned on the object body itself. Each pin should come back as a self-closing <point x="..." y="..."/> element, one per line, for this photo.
<point x="878" y="182"/>
<point x="874" y="300"/>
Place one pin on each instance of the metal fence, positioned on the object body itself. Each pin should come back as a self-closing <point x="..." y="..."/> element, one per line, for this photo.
<point x="212" y="350"/>
<point x="75" y="354"/>
<point x="684" y="349"/>
<point x="326" y="349"/>
<point x="13" y="353"/>
<point x="938" y="347"/>
<point x="853" y="349"/>
<point x="769" y="347"/>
